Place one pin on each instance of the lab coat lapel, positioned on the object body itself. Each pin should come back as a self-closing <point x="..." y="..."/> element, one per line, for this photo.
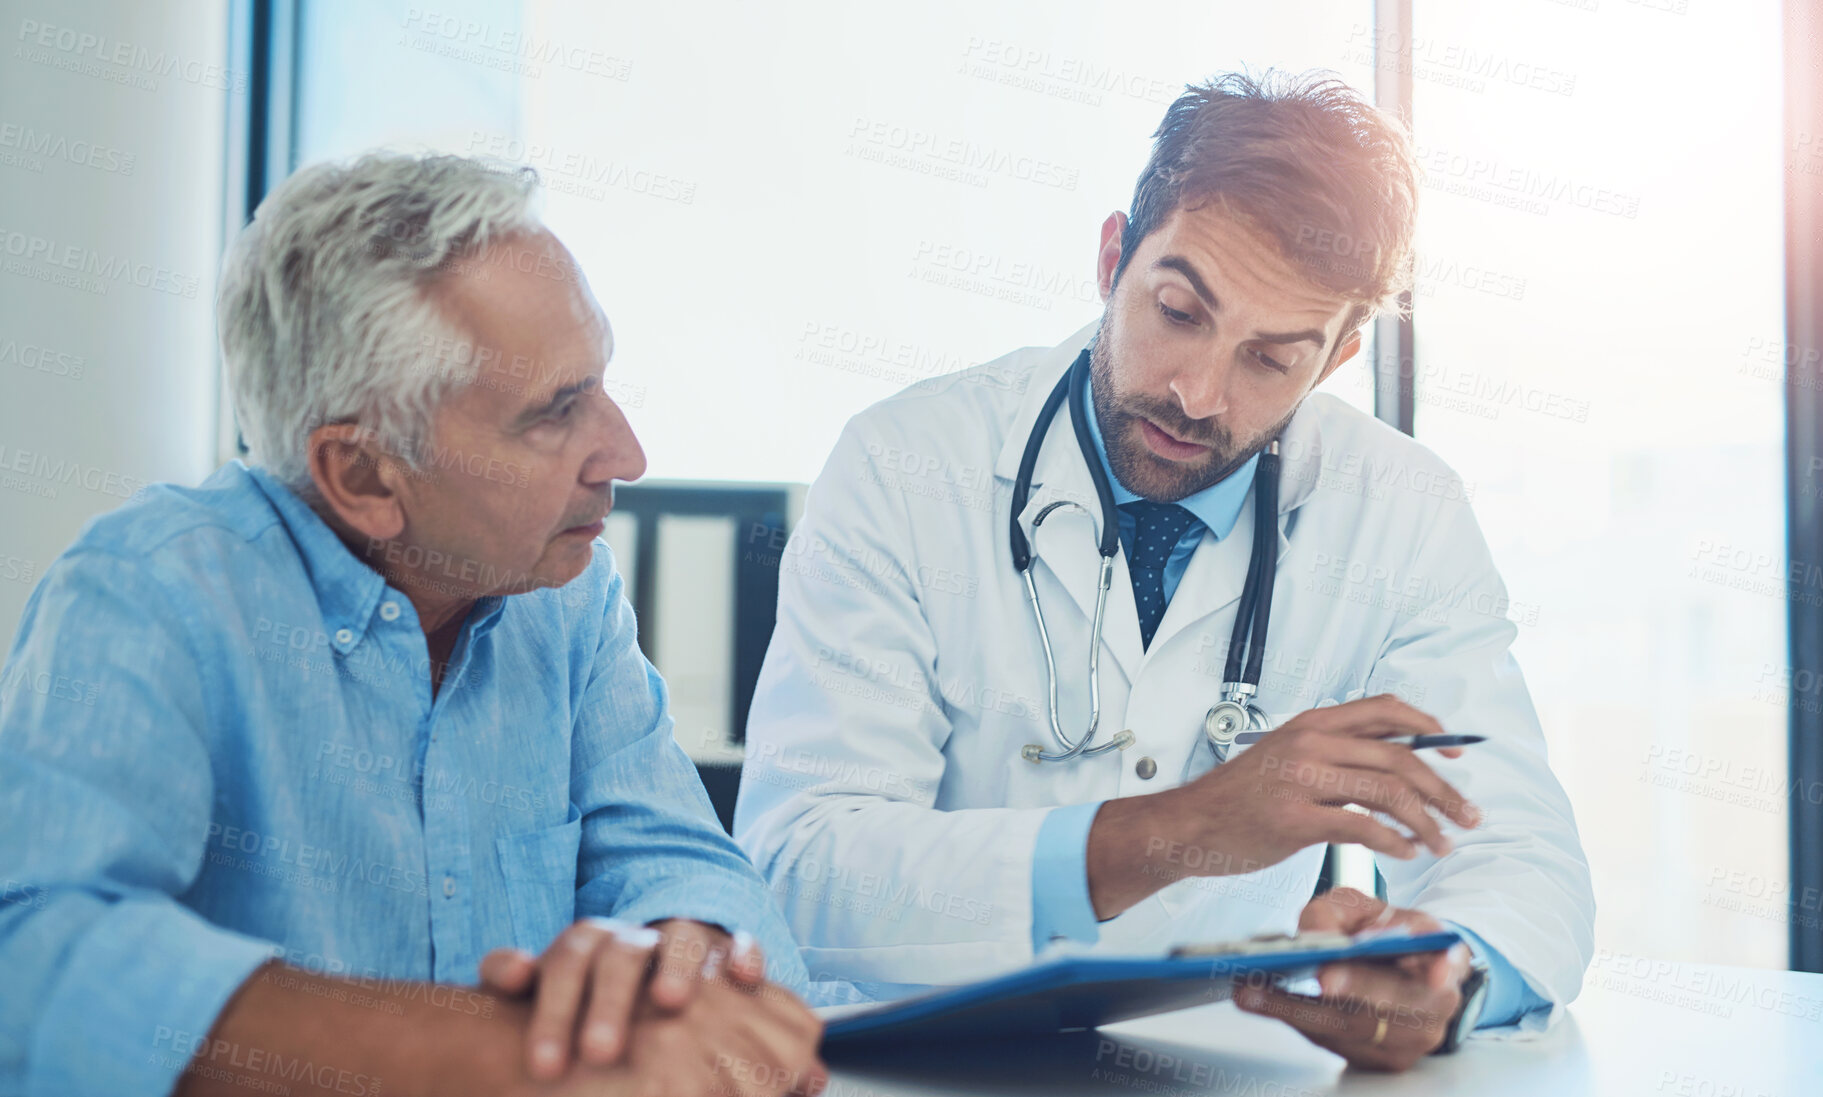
<point x="1047" y="368"/>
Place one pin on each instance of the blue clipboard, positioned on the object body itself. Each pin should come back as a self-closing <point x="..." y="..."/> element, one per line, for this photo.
<point x="1069" y="993"/>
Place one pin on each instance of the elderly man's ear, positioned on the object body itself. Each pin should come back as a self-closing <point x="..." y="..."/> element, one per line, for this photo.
<point x="356" y="481"/>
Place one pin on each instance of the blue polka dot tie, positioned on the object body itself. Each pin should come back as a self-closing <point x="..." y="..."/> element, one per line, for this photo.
<point x="1157" y="528"/>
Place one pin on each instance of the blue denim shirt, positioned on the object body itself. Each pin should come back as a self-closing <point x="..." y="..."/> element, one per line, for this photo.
<point x="218" y="745"/>
<point x="1061" y="907"/>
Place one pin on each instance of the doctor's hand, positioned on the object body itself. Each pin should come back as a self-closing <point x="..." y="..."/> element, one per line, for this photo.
<point x="1286" y="792"/>
<point x="1289" y="790"/>
<point x="598" y="972"/>
<point x="1377" y="1014"/>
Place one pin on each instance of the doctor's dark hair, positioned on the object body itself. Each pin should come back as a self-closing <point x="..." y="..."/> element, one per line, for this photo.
<point x="1303" y="159"/>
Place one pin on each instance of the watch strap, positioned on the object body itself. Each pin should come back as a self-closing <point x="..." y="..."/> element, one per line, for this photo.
<point x="1460" y="1024"/>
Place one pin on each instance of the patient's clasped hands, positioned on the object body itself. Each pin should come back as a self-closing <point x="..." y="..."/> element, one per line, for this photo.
<point x="679" y="1000"/>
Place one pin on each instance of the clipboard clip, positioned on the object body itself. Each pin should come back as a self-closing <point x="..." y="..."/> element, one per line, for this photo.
<point x="1263" y="944"/>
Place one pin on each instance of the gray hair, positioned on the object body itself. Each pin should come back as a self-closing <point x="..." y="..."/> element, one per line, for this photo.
<point x="323" y="312"/>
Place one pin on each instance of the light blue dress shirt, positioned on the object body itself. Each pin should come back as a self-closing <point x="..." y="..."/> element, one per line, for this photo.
<point x="218" y="746"/>
<point x="1217" y="507"/>
<point x="1060" y="878"/>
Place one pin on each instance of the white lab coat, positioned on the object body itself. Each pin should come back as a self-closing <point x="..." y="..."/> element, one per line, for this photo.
<point x="884" y="795"/>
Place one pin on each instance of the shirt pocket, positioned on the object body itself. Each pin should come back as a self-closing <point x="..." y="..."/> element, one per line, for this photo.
<point x="540" y="871"/>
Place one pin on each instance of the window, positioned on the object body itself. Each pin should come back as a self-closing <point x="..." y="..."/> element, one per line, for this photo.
<point x="816" y="205"/>
<point x="1599" y="323"/>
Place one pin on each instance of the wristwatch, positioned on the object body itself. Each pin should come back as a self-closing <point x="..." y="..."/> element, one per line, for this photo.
<point x="1468" y="1014"/>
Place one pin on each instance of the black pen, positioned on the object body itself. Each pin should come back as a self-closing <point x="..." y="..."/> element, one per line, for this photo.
<point x="1416" y="742"/>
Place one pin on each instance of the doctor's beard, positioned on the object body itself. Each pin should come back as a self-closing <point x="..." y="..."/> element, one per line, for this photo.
<point x="1143" y="472"/>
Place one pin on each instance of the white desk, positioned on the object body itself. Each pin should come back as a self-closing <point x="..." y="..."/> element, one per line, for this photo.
<point x="1683" y="1030"/>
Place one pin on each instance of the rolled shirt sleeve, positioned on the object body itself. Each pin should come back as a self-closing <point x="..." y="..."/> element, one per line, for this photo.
<point x="137" y="997"/>
<point x="657" y="852"/>
<point x="105" y="793"/>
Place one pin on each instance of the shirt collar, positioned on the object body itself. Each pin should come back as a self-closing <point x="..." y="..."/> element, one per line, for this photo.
<point x="348" y="590"/>
<point x="1217" y="506"/>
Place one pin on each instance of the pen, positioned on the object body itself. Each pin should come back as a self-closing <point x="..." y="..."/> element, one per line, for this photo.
<point x="1416" y="742"/>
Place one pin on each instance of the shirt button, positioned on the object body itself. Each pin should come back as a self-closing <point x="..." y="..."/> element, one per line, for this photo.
<point x="344" y="636"/>
<point x="1146" y="768"/>
<point x="449" y="887"/>
<point x="389" y="611"/>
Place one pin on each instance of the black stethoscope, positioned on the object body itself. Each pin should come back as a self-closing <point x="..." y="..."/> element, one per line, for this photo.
<point x="1235" y="713"/>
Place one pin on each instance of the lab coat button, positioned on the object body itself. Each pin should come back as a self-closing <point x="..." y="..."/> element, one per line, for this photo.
<point x="1146" y="768"/>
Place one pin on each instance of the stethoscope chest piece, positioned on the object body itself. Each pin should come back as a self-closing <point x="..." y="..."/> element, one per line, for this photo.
<point x="1224" y="721"/>
<point x="1227" y="719"/>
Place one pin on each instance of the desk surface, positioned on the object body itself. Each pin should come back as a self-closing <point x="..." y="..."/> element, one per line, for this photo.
<point x="1639" y="1027"/>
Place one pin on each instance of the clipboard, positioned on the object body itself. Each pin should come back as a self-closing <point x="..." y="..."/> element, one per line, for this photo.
<point x="1073" y="992"/>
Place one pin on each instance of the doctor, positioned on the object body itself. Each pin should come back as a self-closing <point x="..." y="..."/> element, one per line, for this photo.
<point x="907" y="795"/>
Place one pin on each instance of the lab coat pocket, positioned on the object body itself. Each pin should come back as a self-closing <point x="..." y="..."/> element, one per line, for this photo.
<point x="540" y="871"/>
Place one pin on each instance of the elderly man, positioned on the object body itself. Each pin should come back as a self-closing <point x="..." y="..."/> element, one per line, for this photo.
<point x="371" y="706"/>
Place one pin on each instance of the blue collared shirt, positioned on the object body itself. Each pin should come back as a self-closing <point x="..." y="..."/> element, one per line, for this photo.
<point x="1060" y="877"/>
<point x="218" y="745"/>
<point x="1217" y="507"/>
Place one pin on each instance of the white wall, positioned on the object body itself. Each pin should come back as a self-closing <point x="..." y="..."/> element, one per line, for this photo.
<point x="112" y="116"/>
